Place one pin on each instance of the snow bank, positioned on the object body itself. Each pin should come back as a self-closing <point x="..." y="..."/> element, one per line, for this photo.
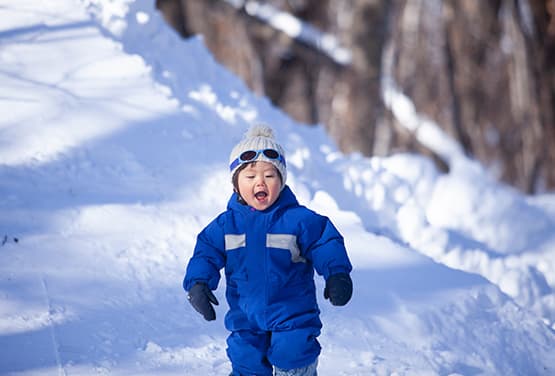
<point x="112" y="158"/>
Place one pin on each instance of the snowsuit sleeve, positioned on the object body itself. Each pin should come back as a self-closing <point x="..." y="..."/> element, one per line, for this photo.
<point x="208" y="257"/>
<point x="324" y="246"/>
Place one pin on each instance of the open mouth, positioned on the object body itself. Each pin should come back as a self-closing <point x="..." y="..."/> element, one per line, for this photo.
<point x="260" y="195"/>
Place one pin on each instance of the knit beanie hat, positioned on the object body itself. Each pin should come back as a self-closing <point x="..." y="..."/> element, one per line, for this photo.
<point x="261" y="145"/>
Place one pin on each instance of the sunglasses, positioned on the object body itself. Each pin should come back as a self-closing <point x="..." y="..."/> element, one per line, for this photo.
<point x="251" y="155"/>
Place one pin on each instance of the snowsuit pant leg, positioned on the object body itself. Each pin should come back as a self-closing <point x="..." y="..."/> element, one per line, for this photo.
<point x="254" y="352"/>
<point x="247" y="351"/>
<point x="295" y="348"/>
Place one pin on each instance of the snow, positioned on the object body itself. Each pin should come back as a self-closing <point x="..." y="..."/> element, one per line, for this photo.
<point x="114" y="140"/>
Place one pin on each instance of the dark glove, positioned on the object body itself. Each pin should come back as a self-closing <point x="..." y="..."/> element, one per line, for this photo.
<point x="339" y="289"/>
<point x="200" y="298"/>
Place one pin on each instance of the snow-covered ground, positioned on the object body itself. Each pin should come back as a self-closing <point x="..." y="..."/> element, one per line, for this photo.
<point x="114" y="140"/>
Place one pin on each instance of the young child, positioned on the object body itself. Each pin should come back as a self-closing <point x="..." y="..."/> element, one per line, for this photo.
<point x="269" y="246"/>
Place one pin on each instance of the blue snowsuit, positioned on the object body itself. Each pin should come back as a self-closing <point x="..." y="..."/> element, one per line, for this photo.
<point x="269" y="258"/>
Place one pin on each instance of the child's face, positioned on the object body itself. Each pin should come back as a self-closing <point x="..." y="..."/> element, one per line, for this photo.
<point x="259" y="184"/>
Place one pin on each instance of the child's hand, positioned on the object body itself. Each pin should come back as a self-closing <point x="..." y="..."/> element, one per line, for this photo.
<point x="200" y="298"/>
<point x="339" y="289"/>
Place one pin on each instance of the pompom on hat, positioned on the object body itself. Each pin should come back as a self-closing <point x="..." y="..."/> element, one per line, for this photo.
<point x="258" y="139"/>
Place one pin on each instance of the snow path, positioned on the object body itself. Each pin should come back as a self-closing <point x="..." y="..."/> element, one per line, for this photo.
<point x="112" y="158"/>
<point x="55" y="342"/>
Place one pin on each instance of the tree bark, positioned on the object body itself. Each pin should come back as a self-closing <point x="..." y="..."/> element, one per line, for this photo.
<point x="484" y="71"/>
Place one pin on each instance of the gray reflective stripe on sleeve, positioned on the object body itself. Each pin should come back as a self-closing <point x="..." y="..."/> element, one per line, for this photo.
<point x="285" y="241"/>
<point x="234" y="241"/>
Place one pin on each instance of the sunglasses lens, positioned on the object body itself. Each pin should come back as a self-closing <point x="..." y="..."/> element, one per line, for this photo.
<point x="271" y="153"/>
<point x="247" y="155"/>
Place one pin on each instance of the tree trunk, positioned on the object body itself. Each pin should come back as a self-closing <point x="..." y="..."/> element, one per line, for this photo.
<point x="486" y="87"/>
<point x="484" y="71"/>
